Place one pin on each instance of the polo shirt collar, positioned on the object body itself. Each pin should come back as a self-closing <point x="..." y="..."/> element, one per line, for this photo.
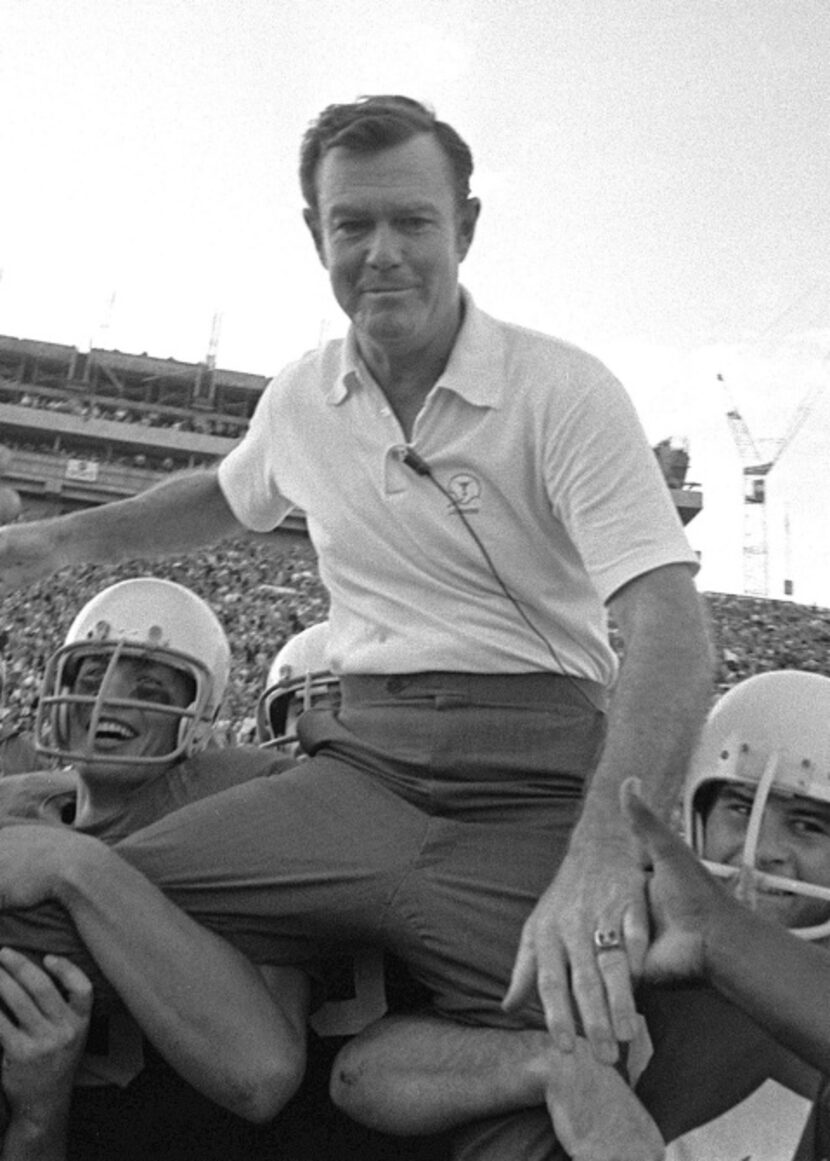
<point x="474" y="370"/>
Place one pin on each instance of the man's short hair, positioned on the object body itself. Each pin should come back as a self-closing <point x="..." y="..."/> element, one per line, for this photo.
<point x="373" y="123"/>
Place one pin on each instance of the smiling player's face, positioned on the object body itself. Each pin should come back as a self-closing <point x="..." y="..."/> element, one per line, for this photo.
<point x="793" y="843"/>
<point x="128" y="731"/>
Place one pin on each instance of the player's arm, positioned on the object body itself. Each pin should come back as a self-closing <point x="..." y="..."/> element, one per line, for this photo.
<point x="43" y="1026"/>
<point x="781" y="981"/>
<point x="238" y="1038"/>
<point x="183" y="512"/>
<point x="657" y="708"/>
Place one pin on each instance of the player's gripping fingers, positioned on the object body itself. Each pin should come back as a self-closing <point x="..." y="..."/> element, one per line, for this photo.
<point x="34" y="998"/>
<point x="76" y="986"/>
<point x="19" y="984"/>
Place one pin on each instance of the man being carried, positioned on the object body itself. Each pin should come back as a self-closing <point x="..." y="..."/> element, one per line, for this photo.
<point x="479" y="496"/>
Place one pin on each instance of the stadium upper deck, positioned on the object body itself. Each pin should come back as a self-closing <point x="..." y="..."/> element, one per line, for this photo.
<point x="85" y="427"/>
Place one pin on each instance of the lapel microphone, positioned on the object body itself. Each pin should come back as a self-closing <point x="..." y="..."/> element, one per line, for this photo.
<point x="418" y="465"/>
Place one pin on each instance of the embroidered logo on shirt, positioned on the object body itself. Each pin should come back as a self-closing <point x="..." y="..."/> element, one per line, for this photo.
<point x="465" y="490"/>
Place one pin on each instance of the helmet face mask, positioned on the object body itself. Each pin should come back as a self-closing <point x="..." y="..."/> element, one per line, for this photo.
<point x="74" y="708"/>
<point x="298" y="680"/>
<point x="172" y="647"/>
<point x="761" y="771"/>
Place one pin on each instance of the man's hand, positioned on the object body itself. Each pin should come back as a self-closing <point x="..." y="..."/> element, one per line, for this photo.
<point x="597" y="888"/>
<point x="43" y="1027"/>
<point x="684" y="898"/>
<point x="28" y="553"/>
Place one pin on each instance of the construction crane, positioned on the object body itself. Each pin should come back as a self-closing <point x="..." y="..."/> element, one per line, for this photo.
<point x="756" y="469"/>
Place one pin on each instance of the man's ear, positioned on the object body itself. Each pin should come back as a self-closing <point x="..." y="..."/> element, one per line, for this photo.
<point x="467" y="219"/>
<point x="313" y="222"/>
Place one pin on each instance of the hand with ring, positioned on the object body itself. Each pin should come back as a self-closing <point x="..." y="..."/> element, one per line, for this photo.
<point x="595" y="906"/>
<point x="608" y="939"/>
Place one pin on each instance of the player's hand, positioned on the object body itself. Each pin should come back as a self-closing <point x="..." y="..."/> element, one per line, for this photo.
<point x="599" y="888"/>
<point x="43" y="1027"/>
<point x="685" y="900"/>
<point x="28" y="553"/>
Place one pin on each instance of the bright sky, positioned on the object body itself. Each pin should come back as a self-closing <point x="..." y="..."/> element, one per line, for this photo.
<point x="654" y="173"/>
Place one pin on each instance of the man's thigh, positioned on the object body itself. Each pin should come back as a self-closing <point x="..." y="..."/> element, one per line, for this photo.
<point x="278" y="865"/>
<point x="458" y="916"/>
<point x="281" y="864"/>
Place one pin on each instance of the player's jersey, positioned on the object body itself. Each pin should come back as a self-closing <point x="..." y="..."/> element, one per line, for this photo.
<point x="115" y="1053"/>
<point x="722" y="1089"/>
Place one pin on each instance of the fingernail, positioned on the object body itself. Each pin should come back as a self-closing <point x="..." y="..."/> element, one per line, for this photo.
<point x="626" y="1030"/>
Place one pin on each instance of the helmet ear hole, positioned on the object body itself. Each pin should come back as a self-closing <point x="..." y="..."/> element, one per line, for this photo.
<point x="194" y="730"/>
<point x="705" y="799"/>
<point x="278" y="714"/>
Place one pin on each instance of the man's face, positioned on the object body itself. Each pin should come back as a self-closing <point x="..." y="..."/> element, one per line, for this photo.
<point x="391" y="235"/>
<point x="128" y="732"/>
<point x="794" y="843"/>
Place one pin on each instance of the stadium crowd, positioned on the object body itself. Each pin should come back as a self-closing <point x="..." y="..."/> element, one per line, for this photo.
<point x="264" y="590"/>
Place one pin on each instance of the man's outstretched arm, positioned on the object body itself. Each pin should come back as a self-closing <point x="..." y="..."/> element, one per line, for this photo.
<point x="235" y="1032"/>
<point x="181" y="513"/>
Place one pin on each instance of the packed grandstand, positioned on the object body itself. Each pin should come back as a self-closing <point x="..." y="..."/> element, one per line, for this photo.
<point x="265" y="590"/>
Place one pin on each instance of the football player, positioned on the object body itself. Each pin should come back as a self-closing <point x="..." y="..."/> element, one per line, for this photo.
<point x="126" y="710"/>
<point x="298" y="680"/>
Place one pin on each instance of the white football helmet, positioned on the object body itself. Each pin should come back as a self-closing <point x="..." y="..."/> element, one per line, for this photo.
<point x="298" y="679"/>
<point x="770" y="732"/>
<point x="141" y="618"/>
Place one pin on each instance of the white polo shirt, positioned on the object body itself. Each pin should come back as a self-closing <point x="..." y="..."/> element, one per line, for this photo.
<point x="548" y="467"/>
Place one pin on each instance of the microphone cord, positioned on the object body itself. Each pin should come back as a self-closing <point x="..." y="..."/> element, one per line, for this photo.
<point x="421" y="468"/>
